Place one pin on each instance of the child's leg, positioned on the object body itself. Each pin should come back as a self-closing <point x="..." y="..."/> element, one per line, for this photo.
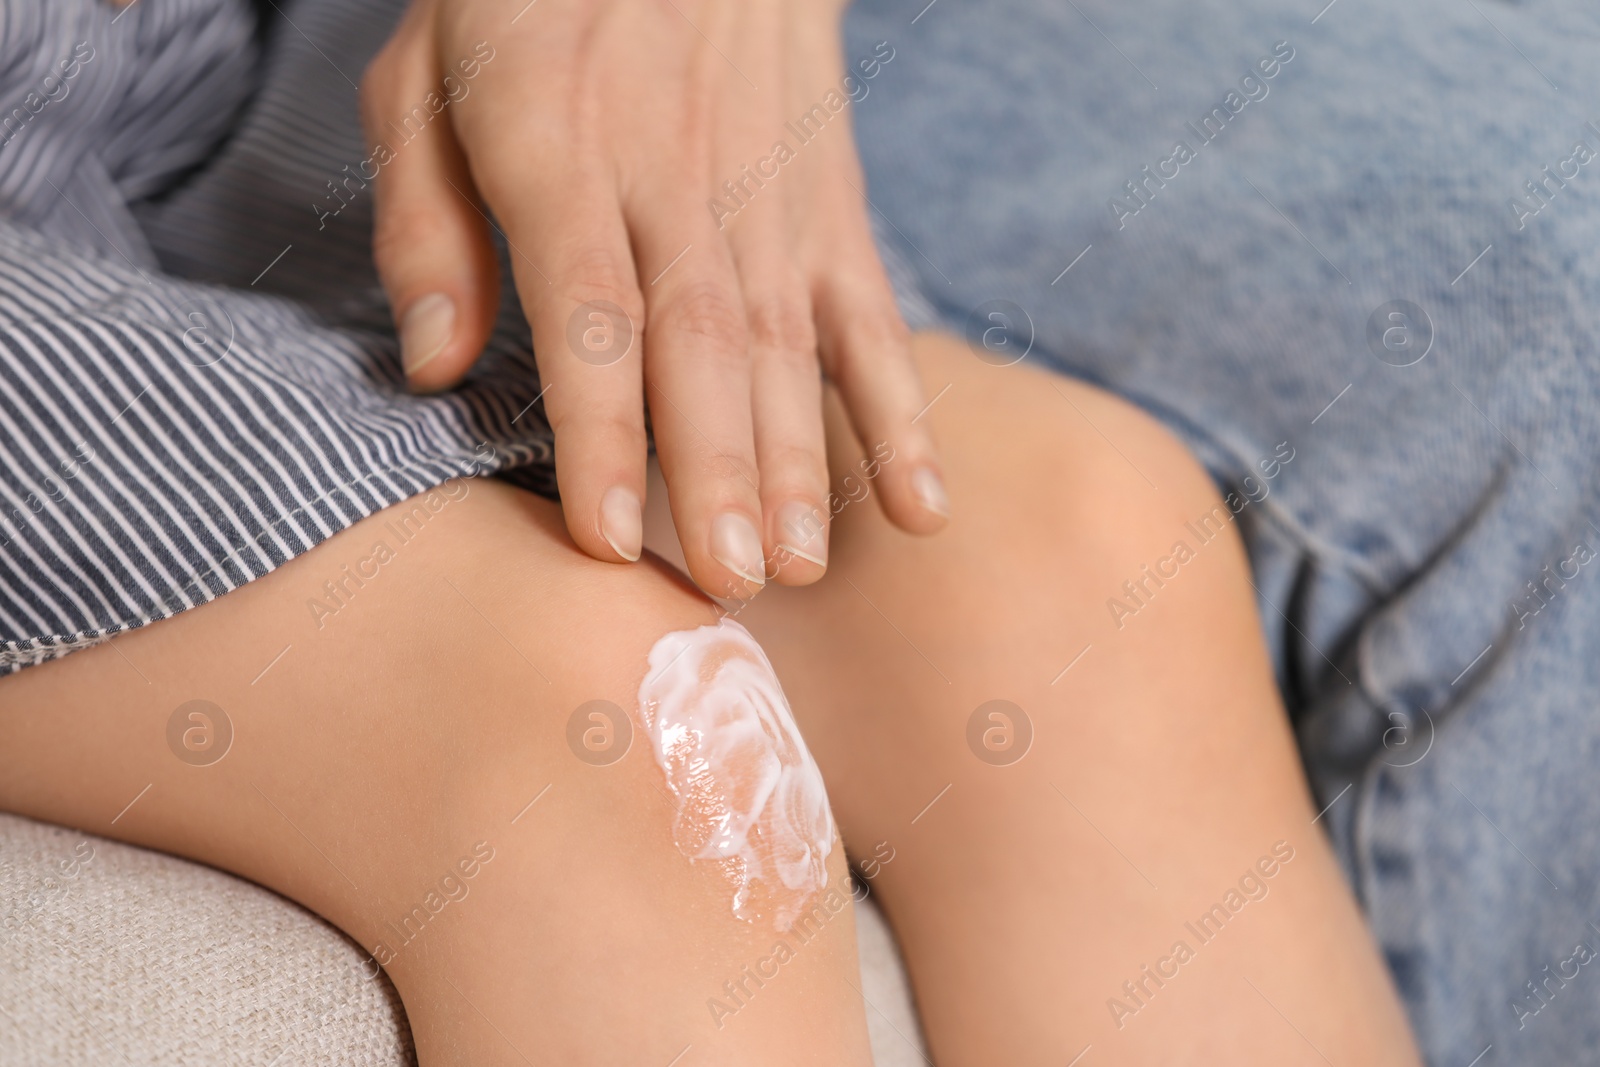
<point x="1070" y="899"/>
<point x="404" y="769"/>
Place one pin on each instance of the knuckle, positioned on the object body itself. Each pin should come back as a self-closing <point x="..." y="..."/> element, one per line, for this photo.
<point x="794" y="464"/>
<point x="885" y="331"/>
<point x="410" y="235"/>
<point x="708" y="311"/>
<point x="737" y="470"/>
<point x="695" y="128"/>
<point x="599" y="428"/>
<point x="871" y="341"/>
<point x="394" y="232"/>
<point x="783" y="324"/>
<point x="593" y="273"/>
<point x="393" y="244"/>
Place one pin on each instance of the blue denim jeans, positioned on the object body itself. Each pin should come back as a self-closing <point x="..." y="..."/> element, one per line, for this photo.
<point x="1372" y="235"/>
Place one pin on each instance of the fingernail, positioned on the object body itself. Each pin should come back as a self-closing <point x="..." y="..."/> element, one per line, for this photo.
<point x="622" y="522"/>
<point x="929" y="488"/>
<point x="803" y="532"/>
<point x="736" y="544"/>
<point x="425" y="330"/>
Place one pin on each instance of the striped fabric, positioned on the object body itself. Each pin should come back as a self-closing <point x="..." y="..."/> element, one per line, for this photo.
<point x="198" y="378"/>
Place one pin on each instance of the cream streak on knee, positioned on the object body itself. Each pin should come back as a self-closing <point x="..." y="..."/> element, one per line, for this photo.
<point x="750" y="797"/>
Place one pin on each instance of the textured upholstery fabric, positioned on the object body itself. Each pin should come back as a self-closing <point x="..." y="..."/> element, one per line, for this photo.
<point x="113" y="955"/>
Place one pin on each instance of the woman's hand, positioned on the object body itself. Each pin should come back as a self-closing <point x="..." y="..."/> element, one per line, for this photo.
<point x="679" y="187"/>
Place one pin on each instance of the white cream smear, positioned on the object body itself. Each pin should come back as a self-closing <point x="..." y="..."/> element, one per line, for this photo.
<point x="750" y="797"/>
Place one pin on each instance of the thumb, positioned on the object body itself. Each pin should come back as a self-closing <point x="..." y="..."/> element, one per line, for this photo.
<point x="430" y="238"/>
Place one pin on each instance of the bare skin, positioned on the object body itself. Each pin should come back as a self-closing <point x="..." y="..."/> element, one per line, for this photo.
<point x="601" y="134"/>
<point x="1161" y="767"/>
<point x="420" y="720"/>
<point x="423" y="716"/>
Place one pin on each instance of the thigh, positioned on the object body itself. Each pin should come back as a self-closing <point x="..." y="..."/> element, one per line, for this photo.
<point x="1053" y="739"/>
<point x="393" y="733"/>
